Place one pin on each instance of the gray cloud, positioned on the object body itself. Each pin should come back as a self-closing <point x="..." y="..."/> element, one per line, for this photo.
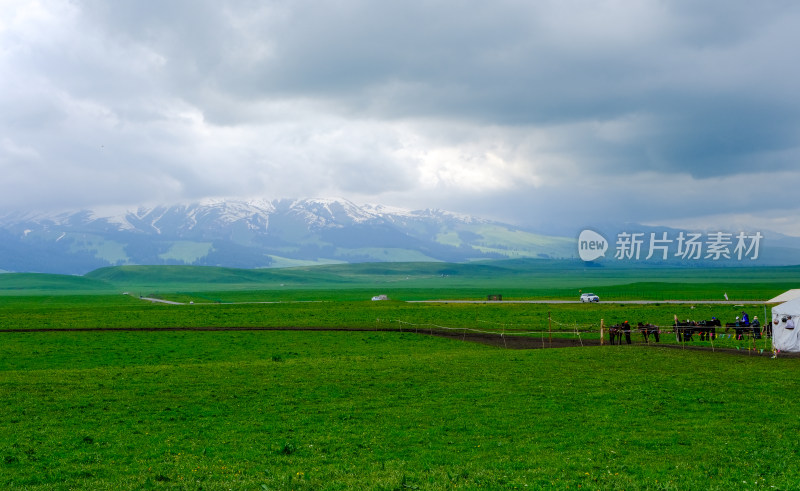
<point x="558" y="106"/>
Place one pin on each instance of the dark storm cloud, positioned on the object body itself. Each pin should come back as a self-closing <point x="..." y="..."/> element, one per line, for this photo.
<point x="694" y="70"/>
<point x="423" y="103"/>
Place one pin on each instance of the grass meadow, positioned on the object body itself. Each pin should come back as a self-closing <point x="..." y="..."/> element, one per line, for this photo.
<point x="386" y="410"/>
<point x="380" y="407"/>
<point x="126" y="311"/>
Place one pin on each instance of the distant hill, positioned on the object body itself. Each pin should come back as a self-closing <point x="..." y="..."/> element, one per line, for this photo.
<point x="513" y="278"/>
<point x="257" y="234"/>
<point x="30" y="283"/>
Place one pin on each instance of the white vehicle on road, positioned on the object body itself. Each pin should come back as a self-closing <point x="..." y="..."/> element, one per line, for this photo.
<point x="589" y="297"/>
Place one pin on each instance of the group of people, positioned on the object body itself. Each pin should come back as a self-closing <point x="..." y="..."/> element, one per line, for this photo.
<point x="684" y="331"/>
<point x="743" y="326"/>
<point x="707" y="329"/>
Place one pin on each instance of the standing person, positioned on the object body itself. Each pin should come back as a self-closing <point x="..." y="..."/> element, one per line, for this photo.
<point x="745" y="319"/>
<point x="645" y="332"/>
<point x="738" y="328"/>
<point x="626" y="329"/>
<point x="756" y="328"/>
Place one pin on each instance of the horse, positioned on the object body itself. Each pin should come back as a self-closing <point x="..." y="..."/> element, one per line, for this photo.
<point x="708" y="330"/>
<point x="685" y="330"/>
<point x="738" y="327"/>
<point x="647" y="330"/>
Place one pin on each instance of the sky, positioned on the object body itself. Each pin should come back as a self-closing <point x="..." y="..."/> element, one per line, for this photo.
<point x="552" y="115"/>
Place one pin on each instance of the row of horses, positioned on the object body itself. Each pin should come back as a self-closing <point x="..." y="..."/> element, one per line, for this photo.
<point x="707" y="329"/>
<point x="616" y="332"/>
<point x="684" y="331"/>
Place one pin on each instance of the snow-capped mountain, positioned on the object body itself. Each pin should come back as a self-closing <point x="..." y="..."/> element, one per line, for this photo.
<point x="251" y="234"/>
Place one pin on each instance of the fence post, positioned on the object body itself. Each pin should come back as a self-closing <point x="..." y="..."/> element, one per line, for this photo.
<point x="602" y="337"/>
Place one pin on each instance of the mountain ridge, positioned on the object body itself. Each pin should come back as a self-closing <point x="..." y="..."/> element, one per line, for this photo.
<point x="297" y="232"/>
<point x="259" y="233"/>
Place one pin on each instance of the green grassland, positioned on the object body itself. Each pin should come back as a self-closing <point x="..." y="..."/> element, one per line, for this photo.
<point x="522" y="279"/>
<point x="386" y="410"/>
<point x="386" y="407"/>
<point x="126" y="311"/>
<point x="515" y="279"/>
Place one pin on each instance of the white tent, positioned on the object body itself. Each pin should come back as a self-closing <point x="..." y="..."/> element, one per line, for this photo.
<point x="786" y="339"/>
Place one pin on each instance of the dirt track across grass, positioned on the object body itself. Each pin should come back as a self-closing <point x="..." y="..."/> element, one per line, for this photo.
<point x="507" y="341"/>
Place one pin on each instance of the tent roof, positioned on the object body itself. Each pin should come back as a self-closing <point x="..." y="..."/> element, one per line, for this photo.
<point x="786" y="296"/>
<point x="791" y="307"/>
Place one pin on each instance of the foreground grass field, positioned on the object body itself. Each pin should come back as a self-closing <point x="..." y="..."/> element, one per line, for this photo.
<point x="386" y="410"/>
<point x="379" y="408"/>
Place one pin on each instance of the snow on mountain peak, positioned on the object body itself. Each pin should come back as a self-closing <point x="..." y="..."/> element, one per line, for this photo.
<point x="330" y="212"/>
<point x="253" y="214"/>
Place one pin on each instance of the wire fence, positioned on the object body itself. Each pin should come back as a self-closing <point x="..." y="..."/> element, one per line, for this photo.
<point x="739" y="338"/>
